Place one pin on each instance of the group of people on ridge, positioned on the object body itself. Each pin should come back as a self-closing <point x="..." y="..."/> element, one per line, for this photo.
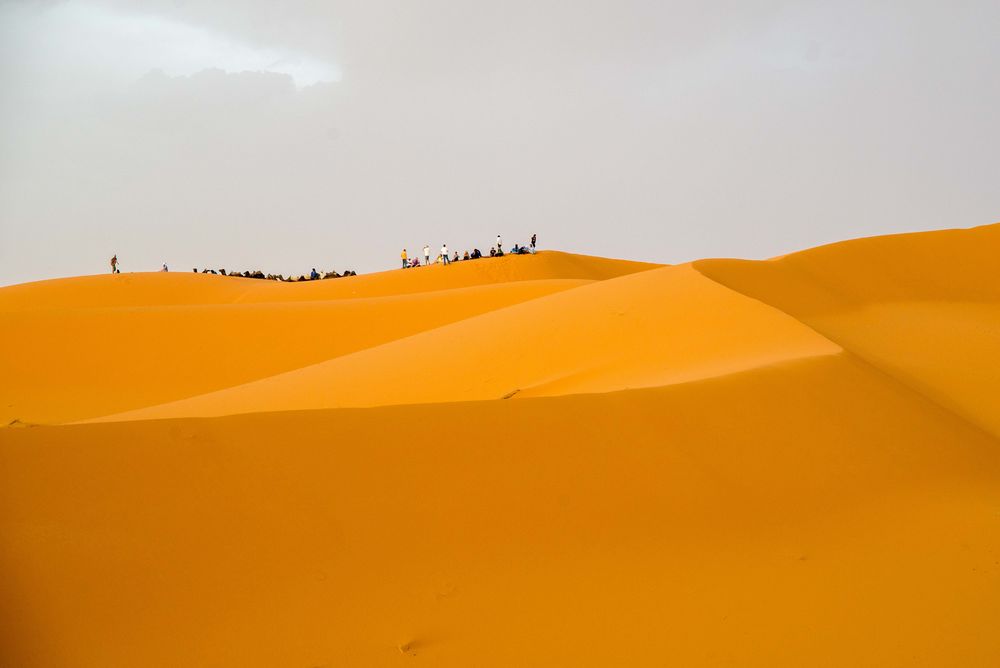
<point x="313" y="275"/>
<point x="444" y="257"/>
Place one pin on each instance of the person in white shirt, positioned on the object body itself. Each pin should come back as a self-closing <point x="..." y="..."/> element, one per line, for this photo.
<point x="427" y="255"/>
<point x="444" y="254"/>
<point x="499" y="246"/>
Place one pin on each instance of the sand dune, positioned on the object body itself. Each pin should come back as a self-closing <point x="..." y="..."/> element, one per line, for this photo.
<point x="924" y="308"/>
<point x="105" y="360"/>
<point x="180" y="288"/>
<point x="634" y="331"/>
<point x="548" y="460"/>
<point x="130" y="341"/>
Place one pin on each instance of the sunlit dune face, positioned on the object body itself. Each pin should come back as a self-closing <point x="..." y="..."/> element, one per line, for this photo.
<point x="549" y="459"/>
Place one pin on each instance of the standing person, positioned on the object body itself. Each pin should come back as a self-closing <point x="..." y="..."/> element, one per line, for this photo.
<point x="427" y="254"/>
<point x="444" y="254"/>
<point x="114" y="264"/>
<point x="403" y="256"/>
<point x="499" y="244"/>
<point x="534" y="238"/>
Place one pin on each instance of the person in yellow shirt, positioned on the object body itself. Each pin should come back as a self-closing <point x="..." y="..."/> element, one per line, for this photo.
<point x="403" y="255"/>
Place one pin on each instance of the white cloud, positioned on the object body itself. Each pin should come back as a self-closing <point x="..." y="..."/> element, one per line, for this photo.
<point x="86" y="37"/>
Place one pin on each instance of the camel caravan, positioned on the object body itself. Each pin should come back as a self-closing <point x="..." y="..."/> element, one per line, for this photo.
<point x="313" y="275"/>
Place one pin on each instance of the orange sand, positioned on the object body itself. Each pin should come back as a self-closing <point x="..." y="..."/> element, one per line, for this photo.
<point x="531" y="461"/>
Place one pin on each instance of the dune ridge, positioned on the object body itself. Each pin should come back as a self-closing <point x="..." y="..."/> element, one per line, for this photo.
<point x="551" y="460"/>
<point x="604" y="345"/>
<point x="924" y="308"/>
<point x="123" y="342"/>
<point x="145" y="289"/>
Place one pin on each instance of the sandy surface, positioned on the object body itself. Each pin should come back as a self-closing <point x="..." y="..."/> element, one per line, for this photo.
<point x="530" y="461"/>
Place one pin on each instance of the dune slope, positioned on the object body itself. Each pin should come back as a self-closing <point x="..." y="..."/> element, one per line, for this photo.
<point x="653" y="328"/>
<point x="81" y="363"/>
<point x="535" y="461"/>
<point x="810" y="513"/>
<point x="924" y="308"/>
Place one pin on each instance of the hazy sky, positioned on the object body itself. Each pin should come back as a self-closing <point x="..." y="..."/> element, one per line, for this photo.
<point x="287" y="135"/>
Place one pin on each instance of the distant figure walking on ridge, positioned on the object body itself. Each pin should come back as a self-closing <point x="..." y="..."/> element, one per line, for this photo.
<point x="427" y="254"/>
<point x="114" y="264"/>
<point x="444" y="254"/>
<point x="403" y="255"/>
<point x="499" y="244"/>
<point x="534" y="237"/>
<point x="164" y="267"/>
